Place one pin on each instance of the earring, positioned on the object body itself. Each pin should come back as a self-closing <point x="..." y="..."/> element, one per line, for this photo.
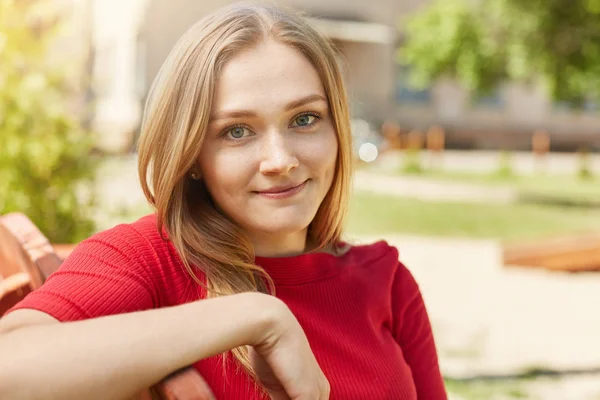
<point x="194" y="176"/>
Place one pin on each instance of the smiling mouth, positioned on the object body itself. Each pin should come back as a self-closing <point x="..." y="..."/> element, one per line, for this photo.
<point x="283" y="193"/>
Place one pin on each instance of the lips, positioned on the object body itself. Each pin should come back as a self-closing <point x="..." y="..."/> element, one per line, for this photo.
<point x="280" y="192"/>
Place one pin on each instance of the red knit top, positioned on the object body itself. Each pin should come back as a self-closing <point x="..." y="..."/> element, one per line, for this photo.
<point x="362" y="312"/>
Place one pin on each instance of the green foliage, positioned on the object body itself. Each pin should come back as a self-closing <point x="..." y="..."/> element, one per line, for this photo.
<point x="45" y="163"/>
<point x="482" y="43"/>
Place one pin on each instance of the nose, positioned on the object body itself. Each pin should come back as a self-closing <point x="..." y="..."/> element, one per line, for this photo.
<point x="277" y="154"/>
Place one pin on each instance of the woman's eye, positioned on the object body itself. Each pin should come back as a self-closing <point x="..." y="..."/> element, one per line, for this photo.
<point x="237" y="132"/>
<point x="304" y="120"/>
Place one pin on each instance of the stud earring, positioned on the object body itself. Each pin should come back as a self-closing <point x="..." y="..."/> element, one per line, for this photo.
<point x="194" y="176"/>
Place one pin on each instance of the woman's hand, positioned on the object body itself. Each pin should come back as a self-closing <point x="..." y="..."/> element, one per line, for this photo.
<point x="284" y="361"/>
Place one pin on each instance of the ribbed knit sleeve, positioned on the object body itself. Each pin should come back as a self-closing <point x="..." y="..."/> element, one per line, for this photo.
<point x="106" y="274"/>
<point x="412" y="330"/>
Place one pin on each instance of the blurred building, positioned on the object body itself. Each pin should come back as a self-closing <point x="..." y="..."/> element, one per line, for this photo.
<point x="118" y="72"/>
<point x="132" y="38"/>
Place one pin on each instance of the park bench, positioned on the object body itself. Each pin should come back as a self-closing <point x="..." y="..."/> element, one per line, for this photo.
<point x="577" y="253"/>
<point x="27" y="258"/>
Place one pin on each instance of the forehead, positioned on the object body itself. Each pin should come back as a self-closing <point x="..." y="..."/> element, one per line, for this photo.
<point x="271" y="74"/>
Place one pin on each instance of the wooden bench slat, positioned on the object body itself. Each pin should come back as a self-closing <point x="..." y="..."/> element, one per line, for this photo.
<point x="575" y="253"/>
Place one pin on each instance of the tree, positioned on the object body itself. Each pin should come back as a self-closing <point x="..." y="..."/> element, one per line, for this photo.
<point x="45" y="163"/>
<point x="483" y="43"/>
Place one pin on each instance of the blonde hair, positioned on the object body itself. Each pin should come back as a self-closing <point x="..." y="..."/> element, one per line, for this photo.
<point x="173" y="128"/>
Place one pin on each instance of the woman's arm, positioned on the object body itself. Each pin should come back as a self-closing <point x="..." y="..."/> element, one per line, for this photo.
<point x="412" y="330"/>
<point x="117" y="356"/>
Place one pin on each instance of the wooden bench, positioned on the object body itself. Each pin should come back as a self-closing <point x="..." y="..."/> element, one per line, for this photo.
<point x="27" y="258"/>
<point x="578" y="253"/>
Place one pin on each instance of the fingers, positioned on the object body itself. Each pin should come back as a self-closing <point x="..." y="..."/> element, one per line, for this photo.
<point x="267" y="377"/>
<point x="284" y="362"/>
<point x="278" y="395"/>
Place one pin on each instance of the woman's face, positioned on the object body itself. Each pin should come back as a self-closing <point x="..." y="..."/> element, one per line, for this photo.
<point x="270" y="151"/>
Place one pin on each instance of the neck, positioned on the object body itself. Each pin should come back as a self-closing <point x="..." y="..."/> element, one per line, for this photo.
<point x="279" y="245"/>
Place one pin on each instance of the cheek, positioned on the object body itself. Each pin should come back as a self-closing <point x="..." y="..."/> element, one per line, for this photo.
<point x="226" y="173"/>
<point x="321" y="153"/>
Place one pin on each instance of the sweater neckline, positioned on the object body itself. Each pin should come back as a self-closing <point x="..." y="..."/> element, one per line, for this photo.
<point x="303" y="268"/>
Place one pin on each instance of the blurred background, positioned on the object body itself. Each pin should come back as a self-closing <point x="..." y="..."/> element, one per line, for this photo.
<point x="476" y="130"/>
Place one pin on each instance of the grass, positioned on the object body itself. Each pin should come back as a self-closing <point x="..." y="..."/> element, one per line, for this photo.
<point x="376" y="214"/>
<point x="487" y="390"/>
<point x="551" y="185"/>
<point x="565" y="186"/>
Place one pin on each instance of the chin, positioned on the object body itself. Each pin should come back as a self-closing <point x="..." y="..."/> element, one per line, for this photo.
<point x="280" y="223"/>
<point x="281" y="229"/>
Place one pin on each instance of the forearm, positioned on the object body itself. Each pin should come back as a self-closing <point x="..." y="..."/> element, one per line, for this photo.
<point x="117" y="356"/>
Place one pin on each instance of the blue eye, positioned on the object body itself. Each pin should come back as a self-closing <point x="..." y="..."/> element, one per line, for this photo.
<point x="304" y="120"/>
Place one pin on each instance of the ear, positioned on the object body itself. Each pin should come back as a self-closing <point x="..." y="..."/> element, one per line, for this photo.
<point x="195" y="175"/>
<point x="194" y="172"/>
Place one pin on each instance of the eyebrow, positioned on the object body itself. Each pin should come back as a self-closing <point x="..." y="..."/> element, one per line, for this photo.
<point x="249" y="114"/>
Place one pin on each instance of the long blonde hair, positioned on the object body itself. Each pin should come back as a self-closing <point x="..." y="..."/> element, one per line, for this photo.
<point x="173" y="128"/>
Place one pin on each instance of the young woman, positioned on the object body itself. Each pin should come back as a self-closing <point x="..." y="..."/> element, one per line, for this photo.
<point x="245" y="154"/>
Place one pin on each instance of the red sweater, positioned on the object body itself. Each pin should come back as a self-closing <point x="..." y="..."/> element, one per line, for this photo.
<point x="362" y="312"/>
